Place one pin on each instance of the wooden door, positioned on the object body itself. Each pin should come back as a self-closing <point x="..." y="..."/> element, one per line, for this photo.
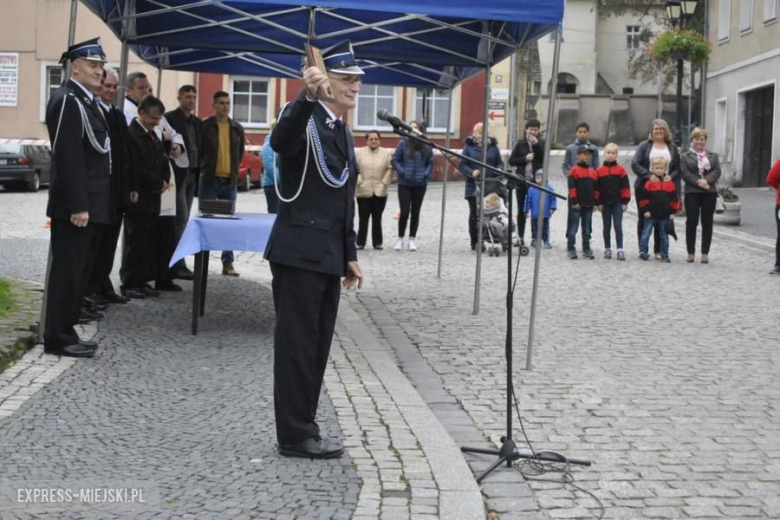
<point x="757" y="157"/>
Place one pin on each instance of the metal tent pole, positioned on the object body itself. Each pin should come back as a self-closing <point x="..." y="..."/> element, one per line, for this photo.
<point x="120" y="100"/>
<point x="444" y="186"/>
<point x="543" y="200"/>
<point x="159" y="82"/>
<point x="478" y="277"/>
<point x="74" y="4"/>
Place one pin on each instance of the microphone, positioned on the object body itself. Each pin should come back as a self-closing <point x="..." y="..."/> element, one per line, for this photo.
<point x="384" y="115"/>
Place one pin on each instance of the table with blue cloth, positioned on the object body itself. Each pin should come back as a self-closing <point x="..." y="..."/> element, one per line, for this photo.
<point x="206" y="233"/>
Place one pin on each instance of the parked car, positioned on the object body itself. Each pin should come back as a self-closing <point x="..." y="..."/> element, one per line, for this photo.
<point x="250" y="171"/>
<point x="24" y="166"/>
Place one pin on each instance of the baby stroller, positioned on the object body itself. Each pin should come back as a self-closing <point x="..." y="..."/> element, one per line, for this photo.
<point x="496" y="234"/>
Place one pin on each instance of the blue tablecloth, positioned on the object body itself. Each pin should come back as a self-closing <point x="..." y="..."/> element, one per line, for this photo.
<point x="248" y="232"/>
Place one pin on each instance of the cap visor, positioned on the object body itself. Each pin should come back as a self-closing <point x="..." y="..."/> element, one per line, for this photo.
<point x="354" y="69"/>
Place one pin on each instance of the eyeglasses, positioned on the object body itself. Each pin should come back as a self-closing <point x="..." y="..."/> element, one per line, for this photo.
<point x="351" y="80"/>
<point x="109" y="85"/>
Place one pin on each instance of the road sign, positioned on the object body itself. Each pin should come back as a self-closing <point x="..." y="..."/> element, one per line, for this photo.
<point x="497" y="112"/>
<point x="499" y="93"/>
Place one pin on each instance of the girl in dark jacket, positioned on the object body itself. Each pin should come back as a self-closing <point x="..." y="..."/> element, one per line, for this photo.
<point x="658" y="144"/>
<point x="700" y="171"/>
<point x="413" y="162"/>
<point x="473" y="172"/>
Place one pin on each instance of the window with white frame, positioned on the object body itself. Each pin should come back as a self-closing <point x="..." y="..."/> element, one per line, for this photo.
<point x="724" y="19"/>
<point x="430" y="106"/>
<point x="745" y="15"/>
<point x="373" y="98"/>
<point x="250" y="101"/>
<point x="770" y="10"/>
<point x="632" y="36"/>
<point x="52" y="77"/>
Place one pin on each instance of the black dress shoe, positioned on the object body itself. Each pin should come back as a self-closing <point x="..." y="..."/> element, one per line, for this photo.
<point x="77" y="351"/>
<point x="184" y="274"/>
<point x="360" y="247"/>
<point x="378" y="247"/>
<point x="314" y="448"/>
<point x="113" y="297"/>
<point x="98" y="299"/>
<point x="167" y="286"/>
<point x="88" y="344"/>
<point x="148" y="291"/>
<point x="132" y="292"/>
<point x="92" y="306"/>
<point x="88" y="315"/>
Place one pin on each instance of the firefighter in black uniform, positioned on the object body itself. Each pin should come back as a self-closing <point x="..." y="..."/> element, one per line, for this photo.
<point x="312" y="246"/>
<point x="79" y="195"/>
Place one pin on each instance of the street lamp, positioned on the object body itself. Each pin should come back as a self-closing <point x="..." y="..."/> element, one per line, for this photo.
<point x="678" y="11"/>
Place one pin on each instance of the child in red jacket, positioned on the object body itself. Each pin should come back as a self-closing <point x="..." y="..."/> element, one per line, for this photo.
<point x="583" y="197"/>
<point x="615" y="194"/>
<point x="773" y="179"/>
<point x="658" y="203"/>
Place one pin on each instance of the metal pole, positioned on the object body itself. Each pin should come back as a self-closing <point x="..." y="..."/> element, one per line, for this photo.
<point x="479" y="201"/>
<point x="71" y="40"/>
<point x="690" y="107"/>
<point x="512" y="101"/>
<point x="703" y="73"/>
<point x="444" y="186"/>
<point x="125" y="57"/>
<point x="159" y="82"/>
<point x="543" y="199"/>
<point x="678" y="105"/>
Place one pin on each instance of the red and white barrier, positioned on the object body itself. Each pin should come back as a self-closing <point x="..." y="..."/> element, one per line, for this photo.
<point x="34" y="142"/>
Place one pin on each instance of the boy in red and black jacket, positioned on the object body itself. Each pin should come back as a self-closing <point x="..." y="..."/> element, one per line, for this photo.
<point x="583" y="197"/>
<point x="658" y="202"/>
<point x="615" y="194"/>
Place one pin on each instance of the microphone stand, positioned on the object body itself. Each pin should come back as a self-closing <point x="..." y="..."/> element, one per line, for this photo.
<point x="509" y="451"/>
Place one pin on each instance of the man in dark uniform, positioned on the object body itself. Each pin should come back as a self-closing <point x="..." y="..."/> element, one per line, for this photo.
<point x="312" y="245"/>
<point x="186" y="123"/>
<point x="100" y="284"/>
<point x="79" y="195"/>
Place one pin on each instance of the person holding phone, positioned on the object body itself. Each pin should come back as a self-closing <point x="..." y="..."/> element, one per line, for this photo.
<point x="528" y="150"/>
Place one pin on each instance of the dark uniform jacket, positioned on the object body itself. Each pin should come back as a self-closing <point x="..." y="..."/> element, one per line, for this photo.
<point x="314" y="232"/>
<point x="120" y="164"/>
<point x="80" y="176"/>
<point x="178" y="121"/>
<point x="208" y="152"/>
<point x="150" y="167"/>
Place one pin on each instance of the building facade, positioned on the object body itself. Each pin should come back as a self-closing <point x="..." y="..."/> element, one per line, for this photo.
<point x="742" y="88"/>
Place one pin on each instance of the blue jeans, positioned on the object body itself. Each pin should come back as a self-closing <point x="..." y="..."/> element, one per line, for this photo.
<point x="647" y="230"/>
<point x="583" y="215"/>
<point x="545" y="229"/>
<point x="218" y="188"/>
<point x="613" y="213"/>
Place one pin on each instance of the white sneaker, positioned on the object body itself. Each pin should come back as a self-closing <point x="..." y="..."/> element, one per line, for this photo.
<point x="412" y="245"/>
<point x="399" y="245"/>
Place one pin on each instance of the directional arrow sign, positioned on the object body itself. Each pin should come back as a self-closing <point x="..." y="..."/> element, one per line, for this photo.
<point x="496" y="115"/>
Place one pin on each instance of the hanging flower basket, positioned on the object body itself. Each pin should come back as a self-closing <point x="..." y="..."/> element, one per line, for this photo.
<point x="680" y="44"/>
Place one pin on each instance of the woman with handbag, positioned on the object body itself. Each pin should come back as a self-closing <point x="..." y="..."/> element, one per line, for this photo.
<point x="658" y="144"/>
<point x="700" y="171"/>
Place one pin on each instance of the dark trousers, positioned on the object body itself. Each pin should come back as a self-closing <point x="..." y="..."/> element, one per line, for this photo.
<point x="545" y="229"/>
<point x="100" y="281"/>
<point x="271" y="198"/>
<point x="370" y="208"/>
<point x="699" y="204"/>
<point x="640" y="226"/>
<point x="473" y="219"/>
<point x="185" y="194"/>
<point x="218" y="188"/>
<point x="585" y="216"/>
<point x="777" y="244"/>
<point x="612" y="214"/>
<point x="522" y="191"/>
<point x="306" y="304"/>
<point x="411" y="199"/>
<point x="73" y="252"/>
<point x="138" y="262"/>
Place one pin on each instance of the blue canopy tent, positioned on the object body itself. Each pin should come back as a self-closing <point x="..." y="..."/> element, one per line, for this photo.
<point x="441" y="44"/>
<point x="431" y="43"/>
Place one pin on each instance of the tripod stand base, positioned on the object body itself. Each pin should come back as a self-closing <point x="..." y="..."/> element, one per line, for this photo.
<point x="509" y="453"/>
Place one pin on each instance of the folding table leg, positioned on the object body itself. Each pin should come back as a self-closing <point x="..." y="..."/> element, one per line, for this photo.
<point x="196" y="291"/>
<point x="204" y="283"/>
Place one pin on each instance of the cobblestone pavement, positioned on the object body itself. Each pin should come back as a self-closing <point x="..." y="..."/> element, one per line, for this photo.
<point x="665" y="376"/>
